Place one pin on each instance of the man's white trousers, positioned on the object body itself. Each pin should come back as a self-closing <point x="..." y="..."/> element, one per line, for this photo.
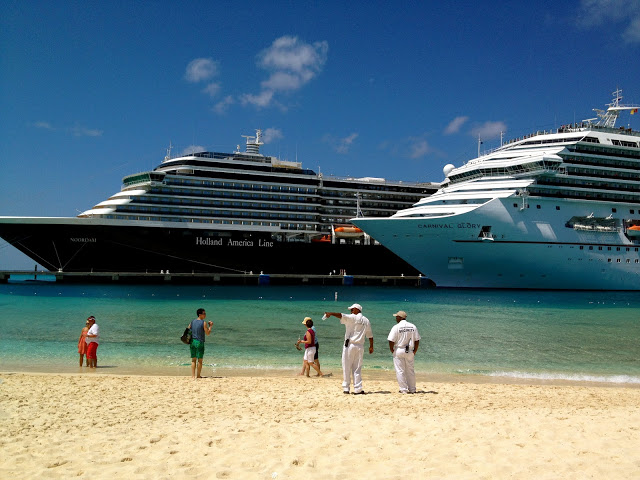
<point x="352" y="364"/>
<point x="405" y="373"/>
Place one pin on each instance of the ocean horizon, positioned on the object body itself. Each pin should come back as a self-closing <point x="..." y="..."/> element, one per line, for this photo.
<point x="482" y="335"/>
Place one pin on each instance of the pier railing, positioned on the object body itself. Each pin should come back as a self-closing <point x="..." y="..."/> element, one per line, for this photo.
<point x="142" y="278"/>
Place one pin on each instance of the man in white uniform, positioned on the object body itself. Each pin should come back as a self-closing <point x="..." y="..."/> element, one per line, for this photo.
<point x="403" y="343"/>
<point x="357" y="327"/>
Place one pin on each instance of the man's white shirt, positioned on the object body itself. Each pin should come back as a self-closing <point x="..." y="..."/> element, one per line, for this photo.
<point x="404" y="333"/>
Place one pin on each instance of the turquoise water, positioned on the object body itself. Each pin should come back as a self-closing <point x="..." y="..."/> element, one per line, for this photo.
<point x="576" y="336"/>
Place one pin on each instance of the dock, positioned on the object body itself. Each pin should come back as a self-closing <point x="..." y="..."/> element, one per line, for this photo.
<point x="145" y="278"/>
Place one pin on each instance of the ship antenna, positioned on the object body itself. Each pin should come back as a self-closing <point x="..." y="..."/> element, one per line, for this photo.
<point x="609" y="117"/>
<point x="359" y="213"/>
<point x="168" y="156"/>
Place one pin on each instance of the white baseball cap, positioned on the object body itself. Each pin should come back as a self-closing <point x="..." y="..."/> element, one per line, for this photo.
<point x="356" y="305"/>
<point x="401" y="314"/>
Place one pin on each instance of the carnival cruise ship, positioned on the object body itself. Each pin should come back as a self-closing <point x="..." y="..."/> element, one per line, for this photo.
<point x="240" y="212"/>
<point x="553" y="210"/>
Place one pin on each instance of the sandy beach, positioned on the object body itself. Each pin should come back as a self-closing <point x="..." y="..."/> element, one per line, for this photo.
<point x="95" y="425"/>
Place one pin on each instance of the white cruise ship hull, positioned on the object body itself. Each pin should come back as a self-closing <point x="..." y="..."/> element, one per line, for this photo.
<point x="552" y="210"/>
<point x="530" y="248"/>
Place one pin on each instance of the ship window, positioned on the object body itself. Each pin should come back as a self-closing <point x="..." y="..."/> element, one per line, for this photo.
<point x="609" y="248"/>
<point x="590" y="247"/>
<point x="538" y="207"/>
<point x="581" y="247"/>
<point x="636" y="260"/>
<point x="632" y="211"/>
<point x="608" y="260"/>
<point x="617" y="249"/>
<point x="557" y="207"/>
<point x="618" y="260"/>
<point x="600" y="248"/>
<point x="613" y="210"/>
<point x="628" y="260"/>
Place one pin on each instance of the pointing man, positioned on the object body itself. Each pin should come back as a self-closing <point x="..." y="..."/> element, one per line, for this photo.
<point x="357" y="327"/>
<point x="403" y="343"/>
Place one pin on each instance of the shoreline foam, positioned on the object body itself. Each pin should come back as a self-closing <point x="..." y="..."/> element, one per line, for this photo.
<point x="517" y="378"/>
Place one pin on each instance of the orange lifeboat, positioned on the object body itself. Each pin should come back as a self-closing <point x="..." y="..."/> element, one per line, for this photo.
<point x="322" y="239"/>
<point x="633" y="231"/>
<point x="348" y="232"/>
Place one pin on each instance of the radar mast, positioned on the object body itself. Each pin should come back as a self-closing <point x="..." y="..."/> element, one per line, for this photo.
<point x="253" y="143"/>
<point x="609" y="117"/>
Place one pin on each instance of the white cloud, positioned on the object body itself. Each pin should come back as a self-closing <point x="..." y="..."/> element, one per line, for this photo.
<point x="489" y="130"/>
<point x="85" y="132"/>
<point x="290" y="54"/>
<point x="292" y="63"/>
<point x="201" y="69"/>
<point x="408" y="147"/>
<point x="632" y="32"/>
<point x="77" y="131"/>
<point x="418" y="148"/>
<point x="44" y="125"/>
<point x="597" y="13"/>
<point x="455" y="125"/>
<point x="271" y="135"/>
<point x="212" y="89"/>
<point x="263" y="99"/>
<point x="222" y="106"/>
<point x="282" y="81"/>
<point x="340" y="145"/>
<point x="345" y="143"/>
<point x="193" y="149"/>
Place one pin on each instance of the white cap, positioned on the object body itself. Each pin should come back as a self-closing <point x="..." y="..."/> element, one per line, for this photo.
<point x="356" y="305"/>
<point x="401" y="314"/>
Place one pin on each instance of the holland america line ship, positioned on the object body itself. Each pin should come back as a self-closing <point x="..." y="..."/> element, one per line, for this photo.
<point x="553" y="210"/>
<point x="239" y="212"/>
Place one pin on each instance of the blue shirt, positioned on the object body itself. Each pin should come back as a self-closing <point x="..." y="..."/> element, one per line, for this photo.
<point x="197" y="329"/>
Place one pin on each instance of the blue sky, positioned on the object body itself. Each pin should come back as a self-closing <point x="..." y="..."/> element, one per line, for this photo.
<point x="93" y="91"/>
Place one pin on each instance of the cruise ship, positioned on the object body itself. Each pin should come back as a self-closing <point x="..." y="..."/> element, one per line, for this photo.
<point x="240" y="212"/>
<point x="553" y="210"/>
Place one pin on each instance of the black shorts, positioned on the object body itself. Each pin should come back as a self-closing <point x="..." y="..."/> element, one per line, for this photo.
<point x="315" y="357"/>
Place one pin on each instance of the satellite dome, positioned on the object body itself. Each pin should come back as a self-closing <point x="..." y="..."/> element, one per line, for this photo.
<point x="447" y="169"/>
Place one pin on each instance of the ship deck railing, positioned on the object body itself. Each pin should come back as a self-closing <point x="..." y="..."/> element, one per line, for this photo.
<point x="571" y="128"/>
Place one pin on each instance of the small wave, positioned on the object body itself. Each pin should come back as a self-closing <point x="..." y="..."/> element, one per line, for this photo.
<point x="232" y="366"/>
<point x="572" y="377"/>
